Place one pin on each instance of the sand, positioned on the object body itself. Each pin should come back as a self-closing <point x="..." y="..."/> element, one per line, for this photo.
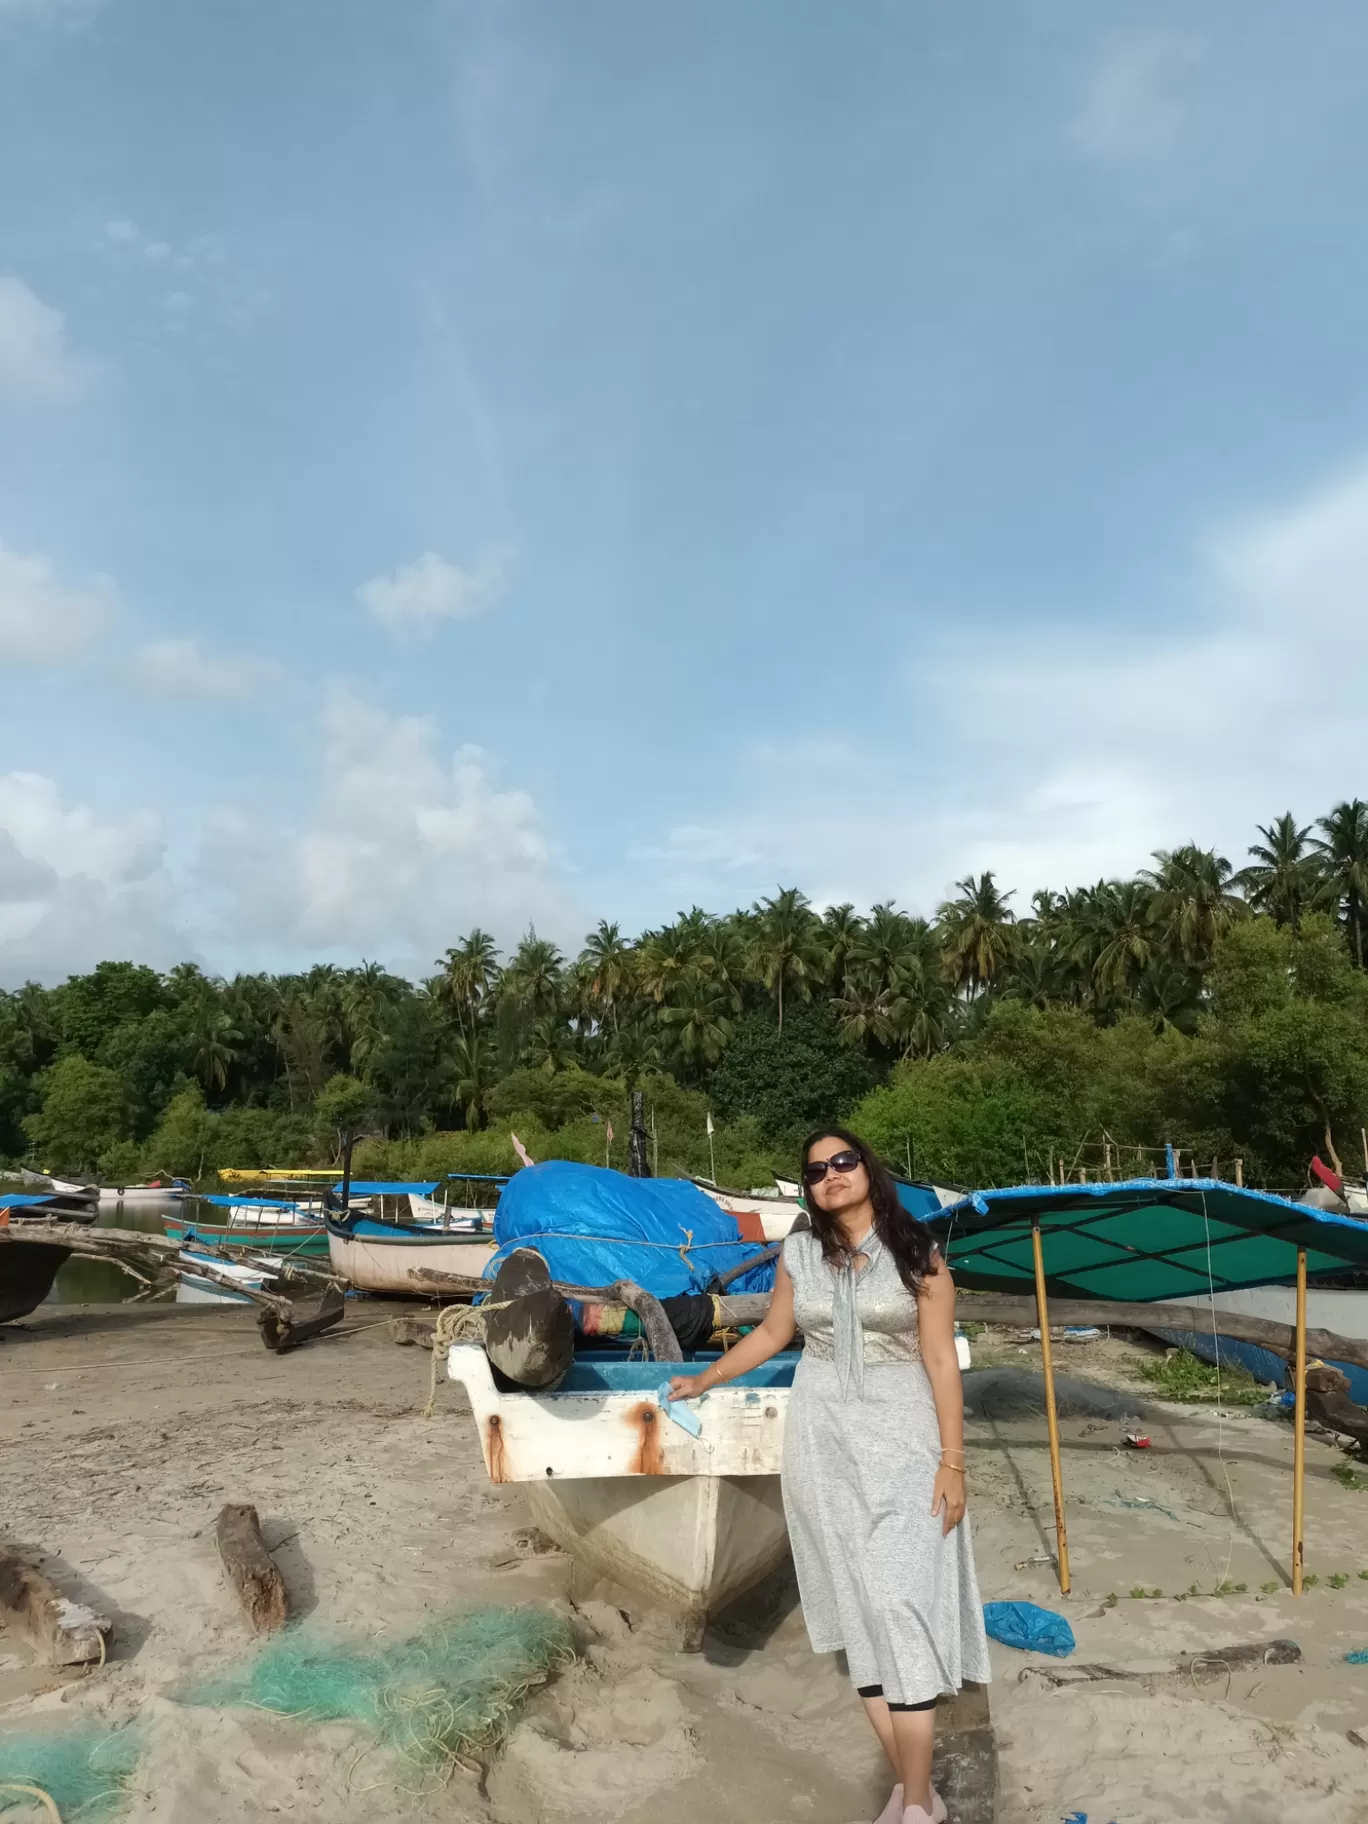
<point x="122" y="1432"/>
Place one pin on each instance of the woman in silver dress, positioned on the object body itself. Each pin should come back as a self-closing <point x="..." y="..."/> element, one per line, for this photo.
<point x="873" y="1471"/>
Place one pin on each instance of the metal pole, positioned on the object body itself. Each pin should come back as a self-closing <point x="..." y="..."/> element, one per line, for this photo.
<point x="712" y="1160"/>
<point x="1051" y="1412"/>
<point x="1299" y="1431"/>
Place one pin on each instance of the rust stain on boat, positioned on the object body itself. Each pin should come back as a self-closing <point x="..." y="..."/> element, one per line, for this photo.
<point x="645" y="1422"/>
<point x="494" y="1450"/>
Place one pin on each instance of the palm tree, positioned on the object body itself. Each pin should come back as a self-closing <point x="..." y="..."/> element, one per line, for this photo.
<point x="1195" y="903"/>
<point x="609" y="961"/>
<point x="921" y="1006"/>
<point x="1344" y="852"/>
<point x="533" y="976"/>
<point x="977" y="932"/>
<point x="1032" y="976"/>
<point x="663" y="958"/>
<point x="784" y="946"/>
<point x="697" y="1021"/>
<point x="1168" y="994"/>
<point x="212" y="1034"/>
<point x="862" y="1008"/>
<point x="722" y="958"/>
<point x="1286" y="881"/>
<point x="367" y="996"/>
<point x="839" y="937"/>
<point x="469" y="970"/>
<point x="549" y="1044"/>
<point x="634" y="1051"/>
<point x="1123" y="928"/>
<point x="885" y="940"/>
<point x="475" y="1063"/>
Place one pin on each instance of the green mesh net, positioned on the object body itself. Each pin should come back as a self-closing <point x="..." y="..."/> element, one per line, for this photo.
<point x="85" y="1772"/>
<point x="448" y="1693"/>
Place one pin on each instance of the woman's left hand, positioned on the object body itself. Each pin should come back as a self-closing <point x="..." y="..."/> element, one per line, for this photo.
<point x="947" y="1498"/>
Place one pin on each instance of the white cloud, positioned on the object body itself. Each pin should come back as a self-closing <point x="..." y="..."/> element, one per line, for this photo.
<point x="1136" y="104"/>
<point x="35" y="361"/>
<point x="179" y="668"/>
<point x="41" y="618"/>
<point x="1062" y="762"/>
<point x="74" y="890"/>
<point x="404" y="847"/>
<point x="419" y="595"/>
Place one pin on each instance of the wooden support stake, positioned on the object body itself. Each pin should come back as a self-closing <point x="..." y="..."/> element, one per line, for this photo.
<point x="1299" y="1432"/>
<point x="1051" y="1411"/>
<point x="251" y="1569"/>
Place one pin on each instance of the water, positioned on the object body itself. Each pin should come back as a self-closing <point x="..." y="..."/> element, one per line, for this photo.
<point x="100" y="1282"/>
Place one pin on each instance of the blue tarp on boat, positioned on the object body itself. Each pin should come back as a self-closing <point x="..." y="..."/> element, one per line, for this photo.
<point x="593" y="1226"/>
<point x="380" y="1188"/>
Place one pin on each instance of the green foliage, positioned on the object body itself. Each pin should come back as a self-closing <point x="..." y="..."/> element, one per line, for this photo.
<point x="1184" y="1376"/>
<point x="790" y="1081"/>
<point x="84" y="1111"/>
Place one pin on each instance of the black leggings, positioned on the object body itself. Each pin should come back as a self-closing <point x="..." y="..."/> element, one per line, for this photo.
<point x="877" y="1691"/>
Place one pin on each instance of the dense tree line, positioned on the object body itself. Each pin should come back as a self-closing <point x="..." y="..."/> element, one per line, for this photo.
<point x="1224" y="1010"/>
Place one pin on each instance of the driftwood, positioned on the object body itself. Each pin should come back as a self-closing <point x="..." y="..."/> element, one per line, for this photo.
<point x="65" y="1632"/>
<point x="1187" y="1665"/>
<point x="251" y="1570"/>
<point x="1328" y="1402"/>
<point x="658" y="1328"/>
<point x="1279" y="1339"/>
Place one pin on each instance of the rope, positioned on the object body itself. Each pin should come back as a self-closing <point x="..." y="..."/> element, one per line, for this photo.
<point x="456" y="1324"/>
<point x="34" y="1792"/>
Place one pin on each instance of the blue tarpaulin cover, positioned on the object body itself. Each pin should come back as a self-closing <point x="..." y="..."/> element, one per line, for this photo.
<point x="380" y="1188"/>
<point x="1026" y="1625"/>
<point x="593" y="1226"/>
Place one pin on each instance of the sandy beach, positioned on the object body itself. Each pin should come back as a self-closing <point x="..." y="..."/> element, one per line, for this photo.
<point x="124" y="1430"/>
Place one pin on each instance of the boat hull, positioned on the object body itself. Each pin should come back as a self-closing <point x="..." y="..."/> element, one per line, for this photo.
<point x="382" y="1265"/>
<point x="1344" y="1313"/>
<point x="295" y="1239"/>
<point x="27" y="1272"/>
<point x="691" y="1521"/>
<point x="691" y="1544"/>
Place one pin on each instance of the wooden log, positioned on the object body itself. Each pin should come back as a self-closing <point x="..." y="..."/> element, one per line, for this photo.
<point x="251" y="1570"/>
<point x="658" y="1328"/>
<point x="285" y="1323"/>
<point x="1279" y="1339"/>
<point x="65" y="1632"/>
<point x="1329" y="1404"/>
<point x="1187" y="1665"/>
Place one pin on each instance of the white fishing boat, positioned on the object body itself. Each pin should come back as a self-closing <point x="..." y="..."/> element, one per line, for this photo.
<point x="692" y="1521"/>
<point x="150" y="1196"/>
<point x="195" y="1289"/>
<point x="759" y="1217"/>
<point x="392" y="1257"/>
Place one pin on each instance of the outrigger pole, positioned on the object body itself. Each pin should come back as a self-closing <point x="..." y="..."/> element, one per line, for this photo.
<point x="1051" y="1412"/>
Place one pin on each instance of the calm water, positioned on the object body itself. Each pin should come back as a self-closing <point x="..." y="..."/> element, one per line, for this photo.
<point x="99" y="1282"/>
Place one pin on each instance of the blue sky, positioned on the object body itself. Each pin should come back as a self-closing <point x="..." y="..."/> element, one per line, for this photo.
<point x="526" y="462"/>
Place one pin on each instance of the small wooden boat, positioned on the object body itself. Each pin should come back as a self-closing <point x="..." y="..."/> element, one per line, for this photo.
<point x="196" y="1289"/>
<point x="1340" y="1307"/>
<point x="383" y="1256"/>
<point x="692" y="1522"/>
<point x="27" y="1272"/>
<point x="759" y="1218"/>
<point x="130" y="1196"/>
<point x="307" y="1239"/>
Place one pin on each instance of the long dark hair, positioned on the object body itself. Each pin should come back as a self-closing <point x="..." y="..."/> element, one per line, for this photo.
<point x="907" y="1240"/>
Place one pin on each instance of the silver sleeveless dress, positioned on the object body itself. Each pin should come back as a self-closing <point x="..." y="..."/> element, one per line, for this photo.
<point x="876" y="1575"/>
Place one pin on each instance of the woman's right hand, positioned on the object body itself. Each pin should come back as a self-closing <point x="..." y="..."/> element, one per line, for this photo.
<point x="687" y="1386"/>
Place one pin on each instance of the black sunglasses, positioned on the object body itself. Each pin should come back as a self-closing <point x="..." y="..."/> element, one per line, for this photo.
<point x="817" y="1169"/>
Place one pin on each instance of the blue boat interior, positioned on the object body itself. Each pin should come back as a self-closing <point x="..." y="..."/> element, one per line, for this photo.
<point x="609" y="1371"/>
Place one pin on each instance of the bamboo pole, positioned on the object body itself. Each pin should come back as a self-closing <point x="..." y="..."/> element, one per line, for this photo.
<point x="1051" y="1411"/>
<point x="1299" y="1432"/>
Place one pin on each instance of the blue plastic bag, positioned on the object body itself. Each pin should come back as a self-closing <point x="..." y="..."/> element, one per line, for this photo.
<point x="1032" y="1629"/>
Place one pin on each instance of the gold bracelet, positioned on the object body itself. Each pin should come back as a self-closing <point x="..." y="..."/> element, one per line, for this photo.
<point x="956" y="1469"/>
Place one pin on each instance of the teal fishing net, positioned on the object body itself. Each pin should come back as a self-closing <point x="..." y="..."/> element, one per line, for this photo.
<point x="448" y="1693"/>
<point x="85" y="1772"/>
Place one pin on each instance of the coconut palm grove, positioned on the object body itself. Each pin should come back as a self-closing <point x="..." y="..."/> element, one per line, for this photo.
<point x="1219" y="1009"/>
